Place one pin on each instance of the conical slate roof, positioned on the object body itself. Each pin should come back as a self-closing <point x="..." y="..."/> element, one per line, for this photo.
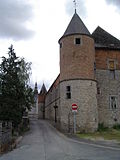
<point x="76" y="26"/>
<point x="43" y="90"/>
<point x="105" y="40"/>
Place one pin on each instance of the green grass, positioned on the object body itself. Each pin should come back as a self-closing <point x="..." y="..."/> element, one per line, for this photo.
<point x="111" y="134"/>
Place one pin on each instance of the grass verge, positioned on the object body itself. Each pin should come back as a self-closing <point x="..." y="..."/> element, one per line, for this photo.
<point x="111" y="134"/>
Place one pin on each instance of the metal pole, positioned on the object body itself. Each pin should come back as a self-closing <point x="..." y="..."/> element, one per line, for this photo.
<point x="55" y="116"/>
<point x="74" y="122"/>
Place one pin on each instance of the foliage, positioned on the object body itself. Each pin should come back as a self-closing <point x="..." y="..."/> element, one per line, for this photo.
<point x="16" y="95"/>
<point x="116" y="126"/>
<point x="110" y="134"/>
<point x="103" y="133"/>
<point x="101" y="127"/>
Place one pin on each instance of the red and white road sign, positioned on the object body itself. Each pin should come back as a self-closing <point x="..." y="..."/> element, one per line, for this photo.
<point x="74" y="107"/>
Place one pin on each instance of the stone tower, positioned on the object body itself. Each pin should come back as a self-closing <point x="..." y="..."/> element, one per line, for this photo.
<point x="77" y="79"/>
<point x="36" y="97"/>
<point x="41" y="102"/>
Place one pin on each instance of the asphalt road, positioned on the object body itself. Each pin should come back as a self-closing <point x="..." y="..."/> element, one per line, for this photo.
<point x="43" y="142"/>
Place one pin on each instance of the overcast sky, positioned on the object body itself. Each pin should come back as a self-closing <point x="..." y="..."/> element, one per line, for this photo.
<point x="35" y="26"/>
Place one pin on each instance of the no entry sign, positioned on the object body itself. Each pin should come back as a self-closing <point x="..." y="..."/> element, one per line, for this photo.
<point x="74" y="110"/>
<point x="74" y="107"/>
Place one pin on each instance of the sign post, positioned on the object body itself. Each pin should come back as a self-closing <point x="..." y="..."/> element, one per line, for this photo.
<point x="74" y="110"/>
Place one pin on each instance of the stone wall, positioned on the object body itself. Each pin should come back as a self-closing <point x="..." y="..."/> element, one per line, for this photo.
<point x="41" y="106"/>
<point x="83" y="93"/>
<point x="41" y="110"/>
<point x="108" y="86"/>
<point x="53" y="99"/>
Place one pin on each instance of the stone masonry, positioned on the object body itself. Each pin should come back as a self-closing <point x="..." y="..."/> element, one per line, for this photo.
<point x="77" y="61"/>
<point x="82" y="93"/>
<point x="108" y="87"/>
<point x="89" y="76"/>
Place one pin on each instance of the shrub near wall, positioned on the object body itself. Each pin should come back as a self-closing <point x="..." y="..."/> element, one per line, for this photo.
<point x="5" y="136"/>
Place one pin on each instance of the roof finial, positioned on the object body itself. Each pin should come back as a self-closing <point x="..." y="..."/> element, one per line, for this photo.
<point x="75" y="4"/>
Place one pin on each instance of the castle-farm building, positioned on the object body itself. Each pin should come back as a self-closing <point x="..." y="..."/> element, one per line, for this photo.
<point x="89" y="77"/>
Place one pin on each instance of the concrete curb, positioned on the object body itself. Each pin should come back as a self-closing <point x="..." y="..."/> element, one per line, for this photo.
<point x="18" y="140"/>
<point x="110" y="144"/>
<point x="102" y="143"/>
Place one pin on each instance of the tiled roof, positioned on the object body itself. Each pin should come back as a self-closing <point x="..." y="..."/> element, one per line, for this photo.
<point x="55" y="83"/>
<point x="105" y="40"/>
<point x="76" y="26"/>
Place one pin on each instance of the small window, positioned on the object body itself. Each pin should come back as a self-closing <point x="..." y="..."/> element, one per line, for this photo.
<point x="98" y="90"/>
<point x="68" y="88"/>
<point x="113" y="102"/>
<point x="111" y="65"/>
<point x="68" y="92"/>
<point x="77" y="41"/>
<point x="68" y="95"/>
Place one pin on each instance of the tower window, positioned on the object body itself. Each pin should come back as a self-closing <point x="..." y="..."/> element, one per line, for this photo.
<point x="68" y="92"/>
<point x="77" y="40"/>
<point x="68" y="88"/>
<point x="98" y="90"/>
<point x="113" y="102"/>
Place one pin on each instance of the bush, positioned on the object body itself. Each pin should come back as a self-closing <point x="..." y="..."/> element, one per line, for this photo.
<point x="101" y="127"/>
<point x="116" y="126"/>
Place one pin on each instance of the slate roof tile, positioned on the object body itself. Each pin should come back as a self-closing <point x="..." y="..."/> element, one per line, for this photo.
<point x="104" y="39"/>
<point x="76" y="26"/>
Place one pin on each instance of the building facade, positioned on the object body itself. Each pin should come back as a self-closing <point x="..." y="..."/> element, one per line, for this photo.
<point x="89" y="76"/>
